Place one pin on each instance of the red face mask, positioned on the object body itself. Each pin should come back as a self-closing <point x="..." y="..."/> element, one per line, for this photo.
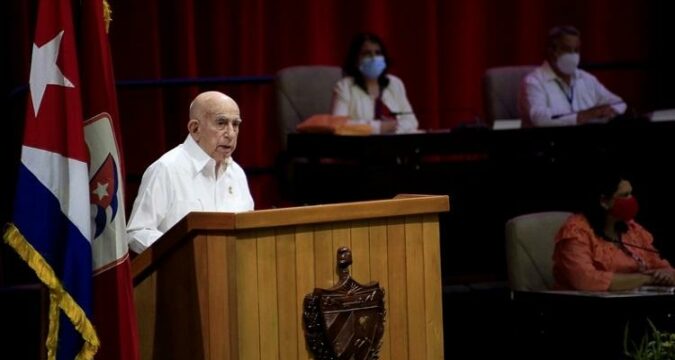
<point x="624" y="208"/>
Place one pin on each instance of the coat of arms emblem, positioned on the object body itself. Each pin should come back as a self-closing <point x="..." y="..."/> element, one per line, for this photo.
<point x="347" y="320"/>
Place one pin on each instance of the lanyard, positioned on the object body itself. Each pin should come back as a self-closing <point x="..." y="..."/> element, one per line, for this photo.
<point x="569" y="96"/>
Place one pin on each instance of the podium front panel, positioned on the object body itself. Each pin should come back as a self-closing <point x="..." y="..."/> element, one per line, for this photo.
<point x="238" y="293"/>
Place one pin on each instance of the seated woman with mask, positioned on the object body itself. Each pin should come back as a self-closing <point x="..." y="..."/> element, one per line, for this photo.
<point x="368" y="94"/>
<point x="603" y="248"/>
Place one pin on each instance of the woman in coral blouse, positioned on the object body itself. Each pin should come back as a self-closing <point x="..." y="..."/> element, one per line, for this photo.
<point x="603" y="248"/>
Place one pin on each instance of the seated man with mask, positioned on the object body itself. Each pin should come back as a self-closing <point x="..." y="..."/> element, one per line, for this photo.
<point x="559" y="94"/>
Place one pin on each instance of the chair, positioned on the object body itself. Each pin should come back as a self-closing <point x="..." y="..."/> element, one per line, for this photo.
<point x="529" y="249"/>
<point x="303" y="91"/>
<point x="500" y="92"/>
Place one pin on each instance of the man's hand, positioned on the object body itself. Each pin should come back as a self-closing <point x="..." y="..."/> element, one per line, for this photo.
<point x="598" y="112"/>
<point x="387" y="126"/>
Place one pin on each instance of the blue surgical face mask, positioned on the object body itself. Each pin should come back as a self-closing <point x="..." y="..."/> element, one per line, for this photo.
<point x="372" y="67"/>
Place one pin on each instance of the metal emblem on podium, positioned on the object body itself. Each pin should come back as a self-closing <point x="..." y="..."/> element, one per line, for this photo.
<point x="347" y="320"/>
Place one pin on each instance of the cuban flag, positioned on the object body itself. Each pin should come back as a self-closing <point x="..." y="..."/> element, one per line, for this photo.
<point x="68" y="215"/>
<point x="114" y="314"/>
<point x="104" y="188"/>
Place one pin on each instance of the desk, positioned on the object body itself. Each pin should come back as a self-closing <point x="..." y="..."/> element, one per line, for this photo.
<point x="564" y="325"/>
<point x="490" y="176"/>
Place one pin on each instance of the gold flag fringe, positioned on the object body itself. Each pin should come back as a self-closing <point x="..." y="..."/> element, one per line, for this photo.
<point x="107" y="15"/>
<point x="59" y="298"/>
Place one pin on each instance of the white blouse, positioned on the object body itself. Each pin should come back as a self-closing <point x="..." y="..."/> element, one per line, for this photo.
<point x="350" y="100"/>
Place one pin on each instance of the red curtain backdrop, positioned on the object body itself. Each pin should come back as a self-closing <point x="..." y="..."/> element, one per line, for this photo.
<point x="439" y="48"/>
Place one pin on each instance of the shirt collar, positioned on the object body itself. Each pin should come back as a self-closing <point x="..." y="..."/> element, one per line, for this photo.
<point x="201" y="161"/>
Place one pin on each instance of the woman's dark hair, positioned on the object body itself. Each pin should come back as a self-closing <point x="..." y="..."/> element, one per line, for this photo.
<point x="603" y="184"/>
<point x="351" y="64"/>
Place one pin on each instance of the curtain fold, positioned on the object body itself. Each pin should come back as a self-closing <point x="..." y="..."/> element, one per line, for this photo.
<point x="440" y="49"/>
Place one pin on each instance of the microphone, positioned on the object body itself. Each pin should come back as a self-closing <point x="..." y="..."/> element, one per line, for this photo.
<point x="632" y="245"/>
<point x="621" y="228"/>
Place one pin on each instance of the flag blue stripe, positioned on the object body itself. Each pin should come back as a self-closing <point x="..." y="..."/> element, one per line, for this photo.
<point x="99" y="220"/>
<point x="70" y="341"/>
<point x="38" y="216"/>
<point x="116" y="182"/>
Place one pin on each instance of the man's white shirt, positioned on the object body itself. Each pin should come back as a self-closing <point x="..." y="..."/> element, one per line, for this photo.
<point x="181" y="181"/>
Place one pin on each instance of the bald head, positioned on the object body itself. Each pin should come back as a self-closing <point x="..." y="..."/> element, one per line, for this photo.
<point x="214" y="124"/>
<point x="206" y="102"/>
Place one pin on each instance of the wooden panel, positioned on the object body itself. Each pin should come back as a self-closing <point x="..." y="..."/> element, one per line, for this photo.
<point x="305" y="268"/>
<point x="170" y="241"/>
<point x="144" y="263"/>
<point x="145" y="304"/>
<point x="397" y="310"/>
<point x="247" y="297"/>
<point x="220" y="279"/>
<point x="332" y="213"/>
<point x="267" y="295"/>
<point x="273" y="269"/>
<point x="203" y="285"/>
<point x="232" y="307"/>
<point x="379" y="272"/>
<point x="433" y="295"/>
<point x="178" y="304"/>
<point x="324" y="255"/>
<point x="414" y="248"/>
<point x="360" y="251"/>
<point x="341" y="237"/>
<point x="287" y="291"/>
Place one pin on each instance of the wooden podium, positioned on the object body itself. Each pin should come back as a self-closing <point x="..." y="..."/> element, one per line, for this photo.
<point x="231" y="286"/>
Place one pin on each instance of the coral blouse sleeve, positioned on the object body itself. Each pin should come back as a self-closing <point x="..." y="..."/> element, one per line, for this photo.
<point x="574" y="262"/>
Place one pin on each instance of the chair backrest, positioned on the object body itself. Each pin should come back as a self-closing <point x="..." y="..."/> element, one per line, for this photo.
<point x="529" y="249"/>
<point x="303" y="91"/>
<point x="500" y="91"/>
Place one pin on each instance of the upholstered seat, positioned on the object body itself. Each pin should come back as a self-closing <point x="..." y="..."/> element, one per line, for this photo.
<point x="529" y="249"/>
<point x="500" y="92"/>
<point x="303" y="91"/>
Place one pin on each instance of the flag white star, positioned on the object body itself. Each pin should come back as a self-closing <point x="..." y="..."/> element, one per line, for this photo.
<point x="44" y="71"/>
<point x="101" y="190"/>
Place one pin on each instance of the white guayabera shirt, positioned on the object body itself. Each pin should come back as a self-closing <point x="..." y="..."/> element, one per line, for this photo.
<point x="545" y="100"/>
<point x="181" y="181"/>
